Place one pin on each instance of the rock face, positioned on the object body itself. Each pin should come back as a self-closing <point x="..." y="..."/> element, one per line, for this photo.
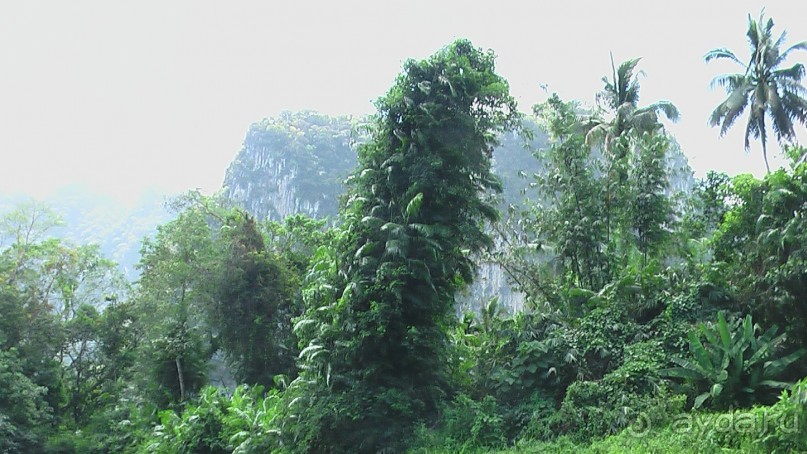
<point x="681" y="177"/>
<point x="292" y="164"/>
<point x="296" y="163"/>
<point x="513" y="161"/>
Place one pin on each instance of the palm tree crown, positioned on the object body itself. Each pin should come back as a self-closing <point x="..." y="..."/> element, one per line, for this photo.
<point x="763" y="86"/>
<point x="620" y="98"/>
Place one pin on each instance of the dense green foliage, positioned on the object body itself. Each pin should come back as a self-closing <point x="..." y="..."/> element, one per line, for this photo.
<point x="252" y="306"/>
<point x="219" y="423"/>
<point x="734" y="366"/>
<point x="378" y="358"/>
<point x="657" y="317"/>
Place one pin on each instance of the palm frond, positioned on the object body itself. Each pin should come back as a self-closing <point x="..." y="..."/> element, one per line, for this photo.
<point x="778" y="45"/>
<point x="720" y="53"/>
<point x="768" y="25"/>
<point x="798" y="46"/>
<point x="727" y="112"/>
<point x="668" y="109"/>
<point x="627" y="84"/>
<point x="792" y="86"/>
<point x="596" y="135"/>
<point x="728" y="81"/>
<point x="753" y="33"/>
<point x="782" y="123"/>
<point x="794" y="73"/>
<point x="645" y="120"/>
<point x="751" y="130"/>
<point x="763" y="137"/>
<point x="795" y="105"/>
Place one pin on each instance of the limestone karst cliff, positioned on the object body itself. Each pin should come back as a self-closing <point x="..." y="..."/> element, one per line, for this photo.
<point x="294" y="163"/>
<point x="297" y="162"/>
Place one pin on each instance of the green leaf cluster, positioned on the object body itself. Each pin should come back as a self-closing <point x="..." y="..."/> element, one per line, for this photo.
<point x="731" y="365"/>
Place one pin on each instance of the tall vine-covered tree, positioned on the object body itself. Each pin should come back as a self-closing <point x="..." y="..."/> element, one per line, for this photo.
<point x="765" y="88"/>
<point x="414" y="216"/>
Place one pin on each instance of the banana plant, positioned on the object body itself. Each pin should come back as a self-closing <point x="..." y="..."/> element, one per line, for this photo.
<point x="731" y="365"/>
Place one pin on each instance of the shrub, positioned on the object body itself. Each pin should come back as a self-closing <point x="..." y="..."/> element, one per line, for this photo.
<point x="606" y="406"/>
<point x="734" y="367"/>
<point x="466" y="425"/>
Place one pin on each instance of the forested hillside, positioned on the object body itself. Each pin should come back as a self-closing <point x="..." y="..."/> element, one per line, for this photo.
<point x="318" y="303"/>
<point x="87" y="218"/>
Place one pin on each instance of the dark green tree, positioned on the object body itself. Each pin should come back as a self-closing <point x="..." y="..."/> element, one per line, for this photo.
<point x="172" y="293"/>
<point x="760" y="245"/>
<point x="24" y="414"/>
<point x="624" y="131"/>
<point x="414" y="217"/>
<point x="649" y="208"/>
<point x="252" y="305"/>
<point x="570" y="220"/>
<point x="765" y="88"/>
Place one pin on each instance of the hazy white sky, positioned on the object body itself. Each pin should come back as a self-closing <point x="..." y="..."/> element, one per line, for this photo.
<point x="124" y="96"/>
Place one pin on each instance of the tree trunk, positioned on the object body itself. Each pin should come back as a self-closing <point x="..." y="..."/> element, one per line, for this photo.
<point x="181" y="379"/>
<point x="183" y="316"/>
<point x="763" y="138"/>
<point x="765" y="156"/>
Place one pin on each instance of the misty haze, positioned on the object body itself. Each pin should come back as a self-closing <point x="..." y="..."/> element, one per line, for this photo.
<point x="425" y="227"/>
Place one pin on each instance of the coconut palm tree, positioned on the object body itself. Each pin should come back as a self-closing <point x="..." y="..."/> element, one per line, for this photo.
<point x="763" y="87"/>
<point x="619" y="100"/>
